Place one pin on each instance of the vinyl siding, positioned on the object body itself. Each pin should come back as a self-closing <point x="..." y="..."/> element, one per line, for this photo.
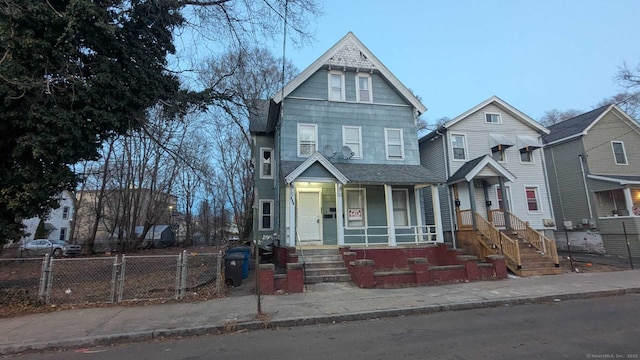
<point x="598" y="148"/>
<point x="613" y="236"/>
<point x="566" y="183"/>
<point x="432" y="157"/>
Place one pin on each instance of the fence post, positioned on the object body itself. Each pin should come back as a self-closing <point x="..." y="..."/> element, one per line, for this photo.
<point x="114" y="279"/>
<point x="49" y="280"/>
<point x="123" y="266"/>
<point x="183" y="282"/>
<point x="44" y="278"/>
<point x="219" y="276"/>
<point x="178" y="277"/>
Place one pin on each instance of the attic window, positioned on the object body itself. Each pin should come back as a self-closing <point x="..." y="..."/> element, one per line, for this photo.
<point x="492" y="118"/>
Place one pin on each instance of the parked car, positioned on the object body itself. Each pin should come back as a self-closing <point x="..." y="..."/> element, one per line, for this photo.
<point x="55" y="248"/>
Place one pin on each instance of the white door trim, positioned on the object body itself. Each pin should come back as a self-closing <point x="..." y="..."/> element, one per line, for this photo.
<point x="318" y="191"/>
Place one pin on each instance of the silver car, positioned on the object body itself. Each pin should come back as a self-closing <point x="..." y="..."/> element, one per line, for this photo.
<point x="55" y="248"/>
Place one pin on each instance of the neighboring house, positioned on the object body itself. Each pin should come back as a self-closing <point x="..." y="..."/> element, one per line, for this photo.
<point x="593" y="161"/>
<point x="336" y="157"/>
<point x="157" y="236"/>
<point x="493" y="161"/>
<point x="115" y="213"/>
<point x="57" y="223"/>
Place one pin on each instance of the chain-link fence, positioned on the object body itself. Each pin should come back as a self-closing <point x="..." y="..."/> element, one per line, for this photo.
<point x="111" y="279"/>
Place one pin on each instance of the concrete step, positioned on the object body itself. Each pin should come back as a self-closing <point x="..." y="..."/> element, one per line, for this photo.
<point x="324" y="264"/>
<point x="314" y="279"/>
<point x="312" y="251"/>
<point x="319" y="258"/>
<point x="326" y="272"/>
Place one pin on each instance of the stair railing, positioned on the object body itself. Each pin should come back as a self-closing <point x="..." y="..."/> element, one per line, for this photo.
<point x="304" y="263"/>
<point x="536" y="238"/>
<point x="508" y="247"/>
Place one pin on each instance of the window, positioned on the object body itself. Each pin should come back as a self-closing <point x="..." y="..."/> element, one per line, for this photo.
<point x="499" y="197"/>
<point x="266" y="215"/>
<point x="265" y="163"/>
<point x="394" y="144"/>
<point x="65" y="213"/>
<point x="363" y="84"/>
<point x="352" y="137"/>
<point x="526" y="155"/>
<point x="63" y="234"/>
<point x="355" y="207"/>
<point x="307" y="139"/>
<point x="492" y="118"/>
<point x="498" y="153"/>
<point x="336" y="86"/>
<point x="532" y="199"/>
<point x="400" y="200"/>
<point x="618" y="152"/>
<point x="458" y="146"/>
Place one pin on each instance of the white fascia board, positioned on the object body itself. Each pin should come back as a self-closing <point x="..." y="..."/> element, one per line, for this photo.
<point x="613" y="179"/>
<point x="324" y="58"/>
<point x="316" y="157"/>
<point x="488" y="160"/>
<point x="594" y="122"/>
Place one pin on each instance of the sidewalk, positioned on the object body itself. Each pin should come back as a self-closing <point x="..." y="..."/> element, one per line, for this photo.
<point x="321" y="303"/>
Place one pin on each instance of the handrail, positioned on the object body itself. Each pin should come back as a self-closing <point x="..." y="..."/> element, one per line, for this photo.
<point x="466" y="219"/>
<point x="537" y="239"/>
<point x="509" y="247"/>
<point x="304" y="266"/>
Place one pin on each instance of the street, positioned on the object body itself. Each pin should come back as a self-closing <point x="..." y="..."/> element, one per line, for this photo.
<point x="602" y="328"/>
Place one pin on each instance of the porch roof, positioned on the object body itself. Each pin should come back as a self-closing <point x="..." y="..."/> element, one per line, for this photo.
<point x="376" y="173"/>
<point x="619" y="179"/>
<point x="471" y="168"/>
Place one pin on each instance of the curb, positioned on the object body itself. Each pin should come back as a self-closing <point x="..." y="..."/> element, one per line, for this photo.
<point x="148" y="335"/>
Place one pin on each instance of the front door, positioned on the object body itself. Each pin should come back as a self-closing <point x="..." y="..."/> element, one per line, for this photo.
<point x="309" y="221"/>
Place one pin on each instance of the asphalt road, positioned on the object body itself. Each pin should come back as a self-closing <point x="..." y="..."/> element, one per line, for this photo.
<point x="604" y="328"/>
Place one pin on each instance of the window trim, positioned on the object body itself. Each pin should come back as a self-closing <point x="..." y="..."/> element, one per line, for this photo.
<point x="342" y="85"/>
<point x="359" y="145"/>
<point x="536" y="191"/>
<point x="407" y="209"/>
<point x="66" y="212"/>
<point x="624" y="152"/>
<point x="531" y="159"/>
<point x="369" y="83"/>
<point x="464" y="144"/>
<point x="261" y="214"/>
<point x="501" y="150"/>
<point x="492" y="113"/>
<point x="507" y="190"/>
<point x="364" y="208"/>
<point x="315" y="129"/>
<point x="386" y="143"/>
<point x="262" y="162"/>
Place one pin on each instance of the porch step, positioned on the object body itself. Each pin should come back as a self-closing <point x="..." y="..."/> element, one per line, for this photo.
<point x="323" y="265"/>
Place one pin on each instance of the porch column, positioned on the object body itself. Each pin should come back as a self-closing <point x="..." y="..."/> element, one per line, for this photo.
<point x="419" y="214"/>
<point x="291" y="206"/>
<point x="505" y="203"/>
<point x="472" y="200"/>
<point x="339" y="214"/>
<point x="628" y="200"/>
<point x="391" y="225"/>
<point x="437" y="215"/>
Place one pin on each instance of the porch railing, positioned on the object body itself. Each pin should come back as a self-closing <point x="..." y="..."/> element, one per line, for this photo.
<point x="423" y="234"/>
<point x="465" y="219"/>
<point x="496" y="217"/>
<point x="509" y="247"/>
<point x="537" y="239"/>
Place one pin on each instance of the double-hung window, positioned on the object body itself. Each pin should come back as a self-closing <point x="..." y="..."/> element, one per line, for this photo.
<point x="458" y="145"/>
<point x="63" y="234"/>
<point x="266" y="161"/>
<point x="526" y="155"/>
<point x="352" y="137"/>
<point x="492" y="118"/>
<point x="66" y="212"/>
<point x="336" y="86"/>
<point x="619" y="154"/>
<point x="363" y="85"/>
<point x="355" y="204"/>
<point x="400" y="200"/>
<point x="307" y="139"/>
<point x="266" y="215"/>
<point x="533" y="203"/>
<point x="394" y="143"/>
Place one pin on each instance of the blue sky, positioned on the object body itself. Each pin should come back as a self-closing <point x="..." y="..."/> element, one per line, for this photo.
<point x="536" y="55"/>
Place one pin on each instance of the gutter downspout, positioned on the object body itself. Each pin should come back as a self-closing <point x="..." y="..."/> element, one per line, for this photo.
<point x="446" y="175"/>
<point x="586" y="189"/>
<point x="546" y="183"/>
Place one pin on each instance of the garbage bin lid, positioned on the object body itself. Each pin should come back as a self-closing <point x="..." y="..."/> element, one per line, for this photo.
<point x="234" y="256"/>
<point x="239" y="249"/>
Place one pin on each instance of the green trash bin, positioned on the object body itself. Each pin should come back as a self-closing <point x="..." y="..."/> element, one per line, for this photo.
<point x="245" y="251"/>
<point x="233" y="264"/>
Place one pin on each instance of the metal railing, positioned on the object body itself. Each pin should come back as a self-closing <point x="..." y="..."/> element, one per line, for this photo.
<point x="417" y="234"/>
<point x="112" y="279"/>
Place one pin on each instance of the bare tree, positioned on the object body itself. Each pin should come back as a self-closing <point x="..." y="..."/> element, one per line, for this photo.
<point x="554" y="116"/>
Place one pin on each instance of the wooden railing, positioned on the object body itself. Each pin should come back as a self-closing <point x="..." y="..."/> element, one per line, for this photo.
<point x="496" y="217"/>
<point x="537" y="239"/>
<point x="465" y="219"/>
<point x="509" y="247"/>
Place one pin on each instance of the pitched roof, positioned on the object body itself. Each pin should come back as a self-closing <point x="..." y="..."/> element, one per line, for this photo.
<point x="472" y="167"/>
<point x="619" y="179"/>
<point x="574" y="126"/>
<point x="259" y="116"/>
<point x="506" y="107"/>
<point x="339" y="56"/>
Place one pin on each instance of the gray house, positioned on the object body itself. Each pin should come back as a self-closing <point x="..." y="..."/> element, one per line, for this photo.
<point x="593" y="164"/>
<point x="496" y="198"/>
<point x="337" y="160"/>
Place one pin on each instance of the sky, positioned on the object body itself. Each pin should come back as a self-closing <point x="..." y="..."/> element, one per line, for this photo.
<point x="536" y="55"/>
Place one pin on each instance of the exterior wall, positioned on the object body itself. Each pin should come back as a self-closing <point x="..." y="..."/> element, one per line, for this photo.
<point x="477" y="131"/>
<point x="432" y="156"/>
<point x="264" y="188"/>
<point x="584" y="241"/>
<point x="308" y="104"/>
<point x="597" y="143"/>
<point x="55" y="218"/>
<point x="613" y="235"/>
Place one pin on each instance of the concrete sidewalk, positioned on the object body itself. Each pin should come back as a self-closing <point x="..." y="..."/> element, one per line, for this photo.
<point x="321" y="303"/>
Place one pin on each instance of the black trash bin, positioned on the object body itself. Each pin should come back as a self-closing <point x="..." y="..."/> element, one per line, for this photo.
<point x="233" y="268"/>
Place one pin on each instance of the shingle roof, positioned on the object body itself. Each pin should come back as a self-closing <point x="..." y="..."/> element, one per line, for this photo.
<point x="377" y="173"/>
<point x="258" y="117"/>
<point x="464" y="170"/>
<point x="573" y="126"/>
